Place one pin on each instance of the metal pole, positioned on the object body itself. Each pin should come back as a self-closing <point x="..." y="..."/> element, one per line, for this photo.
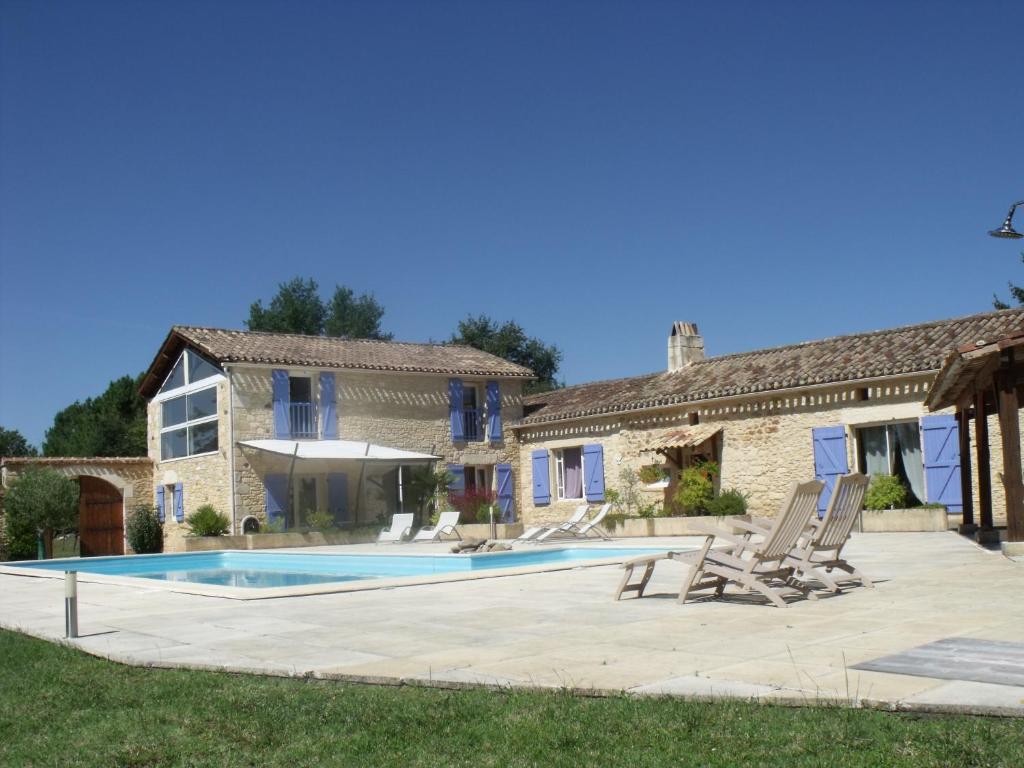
<point x="494" y="526"/>
<point x="71" y="604"/>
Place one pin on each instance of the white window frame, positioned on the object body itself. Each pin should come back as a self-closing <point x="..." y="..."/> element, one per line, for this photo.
<point x="560" y="474"/>
<point x="189" y="388"/>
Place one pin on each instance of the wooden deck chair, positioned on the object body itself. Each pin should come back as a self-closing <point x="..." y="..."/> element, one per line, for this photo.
<point x="819" y="550"/>
<point x="446" y="523"/>
<point x="563" y="529"/>
<point x="401" y="526"/>
<point x="753" y="566"/>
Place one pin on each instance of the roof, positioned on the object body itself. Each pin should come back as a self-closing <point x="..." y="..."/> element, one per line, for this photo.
<point x="229" y="346"/>
<point x="969" y="367"/>
<point x="57" y="461"/>
<point x="351" y="450"/>
<point x="684" y="437"/>
<point x="912" y="349"/>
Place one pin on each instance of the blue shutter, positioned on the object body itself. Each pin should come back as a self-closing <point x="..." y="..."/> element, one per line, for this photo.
<point x="503" y="478"/>
<point x="541" y="478"/>
<point x="455" y="409"/>
<point x="829" y="460"/>
<point x="328" y="409"/>
<point x="160" y="503"/>
<point x="276" y="487"/>
<point x="179" y="503"/>
<point x="458" y="484"/>
<point x="494" y="412"/>
<point x="279" y="382"/>
<point x="337" y="496"/>
<point x="941" y="443"/>
<point x="593" y="471"/>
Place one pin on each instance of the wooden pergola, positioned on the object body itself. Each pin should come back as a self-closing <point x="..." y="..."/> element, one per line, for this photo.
<point x="980" y="379"/>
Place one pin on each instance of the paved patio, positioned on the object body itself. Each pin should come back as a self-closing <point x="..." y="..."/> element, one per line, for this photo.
<point x="563" y="630"/>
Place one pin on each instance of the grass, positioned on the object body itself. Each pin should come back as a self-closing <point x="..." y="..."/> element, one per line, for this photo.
<point x="59" y="707"/>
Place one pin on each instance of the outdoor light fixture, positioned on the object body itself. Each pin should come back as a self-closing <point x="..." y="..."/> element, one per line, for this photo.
<point x="1007" y="229"/>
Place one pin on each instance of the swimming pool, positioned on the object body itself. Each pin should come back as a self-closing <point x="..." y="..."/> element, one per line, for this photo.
<point x="280" y="570"/>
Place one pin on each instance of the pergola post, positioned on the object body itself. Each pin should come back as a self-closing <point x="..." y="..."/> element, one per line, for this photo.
<point x="963" y="420"/>
<point x="1009" y="426"/>
<point x="984" y="468"/>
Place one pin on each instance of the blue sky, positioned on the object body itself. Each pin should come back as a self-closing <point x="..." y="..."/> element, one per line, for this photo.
<point x="775" y="172"/>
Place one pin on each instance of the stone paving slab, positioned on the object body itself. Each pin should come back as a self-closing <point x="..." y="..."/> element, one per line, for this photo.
<point x="563" y="630"/>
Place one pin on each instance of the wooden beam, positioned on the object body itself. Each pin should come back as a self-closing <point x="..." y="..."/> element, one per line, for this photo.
<point x="984" y="468"/>
<point x="1009" y="426"/>
<point x="963" y="420"/>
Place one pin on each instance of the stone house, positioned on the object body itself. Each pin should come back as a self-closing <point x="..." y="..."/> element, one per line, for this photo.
<point x="279" y="426"/>
<point x="768" y="417"/>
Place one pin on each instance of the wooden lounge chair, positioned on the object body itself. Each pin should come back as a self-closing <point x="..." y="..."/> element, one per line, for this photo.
<point x="446" y="523"/>
<point x="754" y="566"/>
<point x="401" y="526"/>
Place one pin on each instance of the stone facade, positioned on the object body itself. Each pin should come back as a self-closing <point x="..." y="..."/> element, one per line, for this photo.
<point x="397" y="410"/>
<point x="764" y="446"/>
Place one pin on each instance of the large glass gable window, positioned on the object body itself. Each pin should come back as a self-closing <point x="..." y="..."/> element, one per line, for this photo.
<point x="189" y="408"/>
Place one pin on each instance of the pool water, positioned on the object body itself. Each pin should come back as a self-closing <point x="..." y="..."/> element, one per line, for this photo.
<point x="262" y="570"/>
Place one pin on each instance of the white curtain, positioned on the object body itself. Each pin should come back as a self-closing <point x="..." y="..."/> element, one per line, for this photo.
<point x="909" y="438"/>
<point x="876" y="452"/>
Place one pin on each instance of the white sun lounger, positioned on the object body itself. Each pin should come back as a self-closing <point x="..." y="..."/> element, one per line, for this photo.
<point x="446" y="523"/>
<point x="401" y="526"/>
<point x="543" y="532"/>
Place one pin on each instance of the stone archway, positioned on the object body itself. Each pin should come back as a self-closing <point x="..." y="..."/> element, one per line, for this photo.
<point x="100" y="517"/>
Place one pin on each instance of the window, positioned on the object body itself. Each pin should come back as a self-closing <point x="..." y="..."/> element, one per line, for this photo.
<point x="301" y="407"/>
<point x="305" y="499"/>
<point x="569" y="473"/>
<point x="893" y="449"/>
<point x="188" y="408"/>
<point x="477" y="478"/>
<point x="471" y="414"/>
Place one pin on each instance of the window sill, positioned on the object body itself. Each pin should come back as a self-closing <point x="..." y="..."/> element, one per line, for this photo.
<point x="186" y="458"/>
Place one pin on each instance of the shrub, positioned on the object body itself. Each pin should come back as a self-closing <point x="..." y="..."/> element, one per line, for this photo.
<point x="207" y="521"/>
<point x="319" y="521"/>
<point x="41" y="500"/>
<point x="696" y="488"/>
<point x="885" y="492"/>
<point x="652" y="473"/>
<point x="730" y="502"/>
<point x="143" y="530"/>
<point x="474" y="505"/>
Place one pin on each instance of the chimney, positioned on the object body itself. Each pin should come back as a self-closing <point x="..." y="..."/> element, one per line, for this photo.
<point x="685" y="345"/>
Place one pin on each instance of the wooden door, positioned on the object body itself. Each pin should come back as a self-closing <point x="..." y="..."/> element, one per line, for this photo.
<point x="100" y="518"/>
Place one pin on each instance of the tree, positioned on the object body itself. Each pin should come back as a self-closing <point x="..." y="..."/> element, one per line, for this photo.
<point x="298" y="308"/>
<point x="354" y="317"/>
<point x="113" y="424"/>
<point x="13" y="443"/>
<point x="39" y="501"/>
<point x="1016" y="291"/>
<point x="509" y="341"/>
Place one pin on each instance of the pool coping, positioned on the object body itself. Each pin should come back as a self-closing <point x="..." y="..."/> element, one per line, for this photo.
<point x="326" y="588"/>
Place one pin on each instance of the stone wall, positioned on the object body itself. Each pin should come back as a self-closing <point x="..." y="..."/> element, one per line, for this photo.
<point x="405" y="411"/>
<point x="765" y="441"/>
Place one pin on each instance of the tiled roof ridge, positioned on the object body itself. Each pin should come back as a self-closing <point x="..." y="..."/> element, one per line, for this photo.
<point x="847" y="336"/>
<point x="180" y="328"/>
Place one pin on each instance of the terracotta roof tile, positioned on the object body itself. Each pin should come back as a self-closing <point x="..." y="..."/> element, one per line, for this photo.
<point x="227" y="346"/>
<point x="892" y="352"/>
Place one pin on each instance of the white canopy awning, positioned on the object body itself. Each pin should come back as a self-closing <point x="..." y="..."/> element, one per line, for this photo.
<point x="351" y="450"/>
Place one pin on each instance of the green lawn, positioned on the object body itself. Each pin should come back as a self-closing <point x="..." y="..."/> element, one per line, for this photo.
<point x="59" y="707"/>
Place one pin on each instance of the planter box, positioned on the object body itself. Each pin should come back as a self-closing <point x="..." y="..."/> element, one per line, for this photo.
<point x="903" y="520"/>
<point x="669" y="526"/>
<point x="276" y="540"/>
<point x="483" y="530"/>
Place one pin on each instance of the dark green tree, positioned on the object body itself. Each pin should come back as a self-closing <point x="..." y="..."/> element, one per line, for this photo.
<point x="113" y="424"/>
<point x="13" y="443"/>
<point x="510" y="342"/>
<point x="39" y="501"/>
<point x="298" y="308"/>
<point x="356" y="317"/>
<point x="1016" y="291"/>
